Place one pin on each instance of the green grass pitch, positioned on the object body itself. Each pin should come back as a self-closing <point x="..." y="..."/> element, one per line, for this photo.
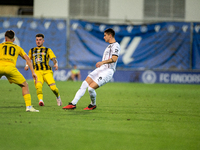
<point x="129" y="116"/>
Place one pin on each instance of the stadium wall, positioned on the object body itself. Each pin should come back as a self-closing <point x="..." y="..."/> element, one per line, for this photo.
<point x="127" y="10"/>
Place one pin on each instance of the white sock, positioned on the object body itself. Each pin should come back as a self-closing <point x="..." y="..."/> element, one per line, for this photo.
<point x="29" y="107"/>
<point x="80" y="92"/>
<point x="93" y="95"/>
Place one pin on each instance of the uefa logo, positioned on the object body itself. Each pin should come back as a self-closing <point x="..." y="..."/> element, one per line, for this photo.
<point x="149" y="77"/>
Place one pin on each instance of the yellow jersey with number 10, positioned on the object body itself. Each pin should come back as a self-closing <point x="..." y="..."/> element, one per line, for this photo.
<point x="9" y="53"/>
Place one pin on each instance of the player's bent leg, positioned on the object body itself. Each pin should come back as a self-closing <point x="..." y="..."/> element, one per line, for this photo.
<point x="91" y="89"/>
<point x="54" y="89"/>
<point x="78" y="95"/>
<point x="93" y="95"/>
<point x="27" y="97"/>
<point x="56" y="92"/>
<point x="39" y="92"/>
<point x="25" y="89"/>
<point x="25" y="93"/>
<point x="89" y="80"/>
<point x="29" y="107"/>
<point x="80" y="92"/>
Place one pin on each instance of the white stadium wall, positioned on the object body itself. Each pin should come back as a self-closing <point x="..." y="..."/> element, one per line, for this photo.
<point x="192" y="10"/>
<point x="126" y="9"/>
<point x="119" y="9"/>
<point x="50" y="8"/>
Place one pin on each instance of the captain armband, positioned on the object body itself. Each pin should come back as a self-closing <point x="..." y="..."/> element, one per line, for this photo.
<point x="112" y="60"/>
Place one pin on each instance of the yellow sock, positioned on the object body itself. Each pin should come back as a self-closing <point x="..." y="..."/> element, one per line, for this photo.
<point x="55" y="90"/>
<point x="27" y="99"/>
<point x="39" y="91"/>
<point x="40" y="97"/>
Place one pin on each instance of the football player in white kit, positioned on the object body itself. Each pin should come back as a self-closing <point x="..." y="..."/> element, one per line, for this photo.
<point x="102" y="74"/>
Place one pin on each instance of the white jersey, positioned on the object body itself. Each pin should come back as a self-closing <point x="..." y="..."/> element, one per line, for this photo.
<point x="112" y="49"/>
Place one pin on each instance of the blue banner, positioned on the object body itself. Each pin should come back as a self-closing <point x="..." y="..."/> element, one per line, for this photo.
<point x="163" y="46"/>
<point x="140" y="76"/>
<point x="196" y="46"/>
<point x="26" y="29"/>
<point x="155" y="46"/>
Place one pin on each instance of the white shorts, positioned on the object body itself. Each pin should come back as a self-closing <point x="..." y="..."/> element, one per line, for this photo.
<point x="101" y="75"/>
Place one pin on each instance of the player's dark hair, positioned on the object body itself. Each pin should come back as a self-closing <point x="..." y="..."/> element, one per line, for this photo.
<point x="40" y="35"/>
<point x="110" y="31"/>
<point x="10" y="34"/>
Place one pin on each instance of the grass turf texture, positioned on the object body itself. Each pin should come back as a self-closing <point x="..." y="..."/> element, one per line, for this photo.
<point x="128" y="116"/>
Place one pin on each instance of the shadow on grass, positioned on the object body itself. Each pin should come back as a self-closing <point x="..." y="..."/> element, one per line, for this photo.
<point x="79" y="112"/>
<point x="12" y="107"/>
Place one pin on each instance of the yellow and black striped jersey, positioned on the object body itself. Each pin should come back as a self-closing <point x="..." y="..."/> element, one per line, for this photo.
<point x="9" y="53"/>
<point x="40" y="58"/>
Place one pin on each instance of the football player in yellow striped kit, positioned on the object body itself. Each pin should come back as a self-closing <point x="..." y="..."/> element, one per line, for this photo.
<point x="9" y="53"/>
<point x="40" y="57"/>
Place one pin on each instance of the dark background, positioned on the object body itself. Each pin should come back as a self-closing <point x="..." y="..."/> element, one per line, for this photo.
<point x="17" y="2"/>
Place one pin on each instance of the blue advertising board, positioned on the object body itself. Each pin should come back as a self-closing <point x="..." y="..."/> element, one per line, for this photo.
<point x="140" y="76"/>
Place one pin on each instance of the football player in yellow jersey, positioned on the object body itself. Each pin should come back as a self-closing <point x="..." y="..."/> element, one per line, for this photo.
<point x="40" y="57"/>
<point x="9" y="53"/>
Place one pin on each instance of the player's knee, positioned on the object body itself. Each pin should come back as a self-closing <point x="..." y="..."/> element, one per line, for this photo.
<point x="53" y="87"/>
<point x="91" y="91"/>
<point x="38" y="85"/>
<point x="84" y="85"/>
<point x="26" y="84"/>
<point x="39" y="88"/>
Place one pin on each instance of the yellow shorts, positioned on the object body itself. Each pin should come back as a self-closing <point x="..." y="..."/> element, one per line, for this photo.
<point x="12" y="74"/>
<point x="45" y="76"/>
